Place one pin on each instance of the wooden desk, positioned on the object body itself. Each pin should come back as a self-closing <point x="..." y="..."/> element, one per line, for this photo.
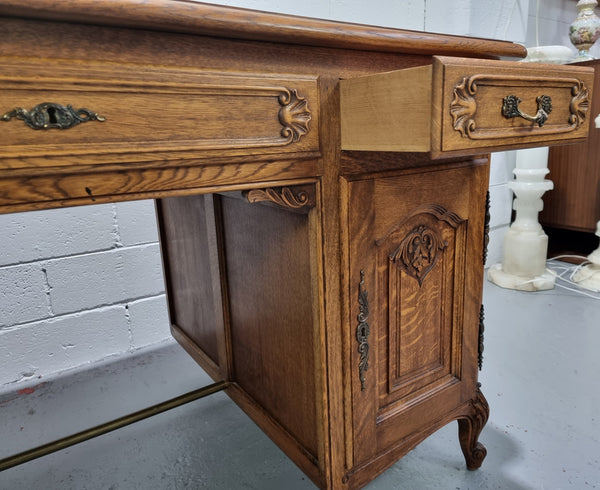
<point x="321" y="195"/>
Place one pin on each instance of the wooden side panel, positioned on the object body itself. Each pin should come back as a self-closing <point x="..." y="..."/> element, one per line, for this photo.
<point x="190" y="248"/>
<point x="388" y="111"/>
<point x="270" y="289"/>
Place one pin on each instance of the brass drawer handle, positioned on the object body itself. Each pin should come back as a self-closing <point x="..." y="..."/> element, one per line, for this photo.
<point x="510" y="108"/>
<point x="49" y="115"/>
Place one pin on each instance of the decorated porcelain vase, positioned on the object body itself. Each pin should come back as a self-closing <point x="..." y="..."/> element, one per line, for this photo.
<point x="585" y="30"/>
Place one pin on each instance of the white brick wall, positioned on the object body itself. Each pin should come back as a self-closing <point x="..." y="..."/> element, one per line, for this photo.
<point x="81" y="284"/>
<point x="38" y="349"/>
<point x="78" y="285"/>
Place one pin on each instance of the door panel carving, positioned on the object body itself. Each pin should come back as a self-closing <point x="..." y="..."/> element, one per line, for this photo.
<point x="420" y="272"/>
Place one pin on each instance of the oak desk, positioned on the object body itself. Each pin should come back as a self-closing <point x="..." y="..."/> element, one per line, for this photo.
<point x="321" y="196"/>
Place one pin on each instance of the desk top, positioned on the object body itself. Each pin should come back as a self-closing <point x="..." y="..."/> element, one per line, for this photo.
<point x="190" y="17"/>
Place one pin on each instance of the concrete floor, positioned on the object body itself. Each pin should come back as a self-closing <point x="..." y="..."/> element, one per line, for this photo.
<point x="540" y="375"/>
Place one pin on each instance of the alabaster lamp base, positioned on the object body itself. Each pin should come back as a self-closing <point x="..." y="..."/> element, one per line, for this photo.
<point x="520" y="283"/>
<point x="524" y="263"/>
<point x="588" y="276"/>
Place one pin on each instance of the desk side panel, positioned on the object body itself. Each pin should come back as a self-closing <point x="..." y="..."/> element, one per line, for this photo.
<point x="272" y="322"/>
<point x="189" y="243"/>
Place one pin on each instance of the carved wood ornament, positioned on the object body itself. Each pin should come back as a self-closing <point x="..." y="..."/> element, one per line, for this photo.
<point x="293" y="198"/>
<point x="469" y="429"/>
<point x="463" y="107"/>
<point x="419" y="252"/>
<point x="294" y="115"/>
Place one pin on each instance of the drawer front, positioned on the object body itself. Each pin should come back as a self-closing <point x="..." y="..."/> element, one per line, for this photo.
<point x="502" y="105"/>
<point x="461" y="106"/>
<point x="58" y="113"/>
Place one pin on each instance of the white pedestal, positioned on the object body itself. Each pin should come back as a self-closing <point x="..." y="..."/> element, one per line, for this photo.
<point x="523" y="264"/>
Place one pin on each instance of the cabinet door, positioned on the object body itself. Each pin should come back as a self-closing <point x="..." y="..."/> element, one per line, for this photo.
<point x="416" y="265"/>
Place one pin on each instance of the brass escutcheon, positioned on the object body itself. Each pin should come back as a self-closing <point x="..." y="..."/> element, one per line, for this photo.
<point x="52" y="116"/>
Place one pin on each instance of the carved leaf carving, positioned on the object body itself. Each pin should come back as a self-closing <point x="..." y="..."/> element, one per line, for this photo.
<point x="294" y="115"/>
<point x="282" y="196"/>
<point x="419" y="252"/>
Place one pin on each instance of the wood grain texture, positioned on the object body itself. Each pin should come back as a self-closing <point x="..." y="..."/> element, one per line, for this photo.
<point x="388" y="111"/>
<point x="212" y="20"/>
<point x="208" y="100"/>
<point x="51" y="188"/>
<point x="191" y="248"/>
<point x="268" y="265"/>
<point x="413" y="234"/>
<point x="574" y="203"/>
<point x="189" y="111"/>
<point x="334" y="389"/>
<point x="455" y="107"/>
<point x="474" y="92"/>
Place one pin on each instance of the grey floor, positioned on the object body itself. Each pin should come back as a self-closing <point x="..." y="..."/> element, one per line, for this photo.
<point x="540" y="375"/>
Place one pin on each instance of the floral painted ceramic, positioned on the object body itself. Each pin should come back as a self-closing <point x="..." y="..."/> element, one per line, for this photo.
<point x="585" y="30"/>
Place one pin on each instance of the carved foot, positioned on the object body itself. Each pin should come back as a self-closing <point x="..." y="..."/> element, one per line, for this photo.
<point x="469" y="429"/>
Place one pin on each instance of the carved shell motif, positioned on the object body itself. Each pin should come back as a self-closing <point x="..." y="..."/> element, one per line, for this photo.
<point x="463" y="107"/>
<point x="580" y="103"/>
<point x="294" y="115"/>
<point x="419" y="252"/>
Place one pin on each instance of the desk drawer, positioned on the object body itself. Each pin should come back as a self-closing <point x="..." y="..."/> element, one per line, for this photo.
<point x="460" y="106"/>
<point x="148" y="113"/>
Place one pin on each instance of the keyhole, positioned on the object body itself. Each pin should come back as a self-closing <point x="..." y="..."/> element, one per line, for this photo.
<point x="52" y="115"/>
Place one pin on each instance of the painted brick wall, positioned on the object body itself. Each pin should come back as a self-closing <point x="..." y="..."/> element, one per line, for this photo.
<point x="82" y="284"/>
<point x="78" y="285"/>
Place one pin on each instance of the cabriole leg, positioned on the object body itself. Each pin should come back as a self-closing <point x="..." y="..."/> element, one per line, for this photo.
<point x="469" y="429"/>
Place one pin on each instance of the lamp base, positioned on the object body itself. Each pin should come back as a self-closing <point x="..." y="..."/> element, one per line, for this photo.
<point x="511" y="281"/>
<point x="588" y="277"/>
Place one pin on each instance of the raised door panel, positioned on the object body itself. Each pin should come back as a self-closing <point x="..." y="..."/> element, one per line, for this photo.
<point x="415" y="256"/>
<point x="420" y="271"/>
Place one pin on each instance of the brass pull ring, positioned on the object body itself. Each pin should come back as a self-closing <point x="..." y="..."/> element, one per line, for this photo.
<point x="510" y="108"/>
<point x="49" y="115"/>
